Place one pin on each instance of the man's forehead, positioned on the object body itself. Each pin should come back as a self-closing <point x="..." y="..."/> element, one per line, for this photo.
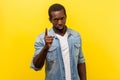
<point x="59" y="13"/>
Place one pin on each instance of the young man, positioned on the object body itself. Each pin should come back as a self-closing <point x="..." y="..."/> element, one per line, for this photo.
<point x="60" y="50"/>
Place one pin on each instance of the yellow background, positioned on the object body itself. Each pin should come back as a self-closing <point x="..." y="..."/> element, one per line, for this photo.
<point x="98" y="22"/>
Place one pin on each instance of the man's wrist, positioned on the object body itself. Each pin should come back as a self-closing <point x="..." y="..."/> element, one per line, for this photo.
<point x="46" y="47"/>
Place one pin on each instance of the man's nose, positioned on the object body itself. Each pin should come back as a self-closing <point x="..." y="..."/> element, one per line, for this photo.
<point x="59" y="22"/>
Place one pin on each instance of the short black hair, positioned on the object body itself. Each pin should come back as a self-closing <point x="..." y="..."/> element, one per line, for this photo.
<point x="56" y="7"/>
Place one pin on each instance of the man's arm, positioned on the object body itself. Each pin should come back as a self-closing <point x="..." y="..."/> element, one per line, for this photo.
<point x="82" y="71"/>
<point x="39" y="59"/>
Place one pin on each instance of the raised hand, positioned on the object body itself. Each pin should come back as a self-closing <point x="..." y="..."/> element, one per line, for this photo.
<point x="48" y="39"/>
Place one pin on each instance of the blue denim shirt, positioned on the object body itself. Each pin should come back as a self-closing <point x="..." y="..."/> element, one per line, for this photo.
<point x="54" y="66"/>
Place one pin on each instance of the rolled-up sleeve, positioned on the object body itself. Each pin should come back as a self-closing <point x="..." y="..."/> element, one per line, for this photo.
<point x="38" y="47"/>
<point x="81" y="58"/>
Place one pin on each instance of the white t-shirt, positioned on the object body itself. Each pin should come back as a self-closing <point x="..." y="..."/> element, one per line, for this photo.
<point x="65" y="54"/>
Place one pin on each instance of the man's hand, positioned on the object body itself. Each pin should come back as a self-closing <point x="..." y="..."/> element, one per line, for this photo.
<point x="48" y="39"/>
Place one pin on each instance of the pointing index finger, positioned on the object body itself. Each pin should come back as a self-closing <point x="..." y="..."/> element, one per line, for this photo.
<point x="46" y="33"/>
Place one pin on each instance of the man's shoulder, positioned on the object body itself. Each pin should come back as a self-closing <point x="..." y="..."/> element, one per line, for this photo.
<point x="40" y="37"/>
<point x="73" y="32"/>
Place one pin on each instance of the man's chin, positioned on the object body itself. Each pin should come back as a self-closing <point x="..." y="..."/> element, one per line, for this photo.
<point x="61" y="27"/>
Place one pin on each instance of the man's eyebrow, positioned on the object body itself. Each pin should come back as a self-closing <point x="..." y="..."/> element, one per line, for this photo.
<point x="58" y="18"/>
<point x="62" y="17"/>
<point x="55" y="18"/>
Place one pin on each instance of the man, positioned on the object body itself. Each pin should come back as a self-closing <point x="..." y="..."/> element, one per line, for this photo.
<point x="60" y="50"/>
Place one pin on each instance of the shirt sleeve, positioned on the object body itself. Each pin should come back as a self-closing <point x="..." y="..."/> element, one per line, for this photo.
<point x="81" y="58"/>
<point x="38" y="47"/>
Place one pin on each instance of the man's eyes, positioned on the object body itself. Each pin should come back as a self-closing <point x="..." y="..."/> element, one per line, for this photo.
<point x="56" y="19"/>
<point x="62" y="18"/>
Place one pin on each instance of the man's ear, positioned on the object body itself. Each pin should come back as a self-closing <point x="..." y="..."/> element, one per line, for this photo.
<point x="50" y="19"/>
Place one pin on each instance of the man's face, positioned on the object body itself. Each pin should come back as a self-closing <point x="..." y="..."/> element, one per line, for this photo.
<point x="58" y="19"/>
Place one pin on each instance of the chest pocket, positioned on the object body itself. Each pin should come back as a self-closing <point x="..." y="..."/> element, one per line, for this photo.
<point x="52" y="53"/>
<point x="77" y="49"/>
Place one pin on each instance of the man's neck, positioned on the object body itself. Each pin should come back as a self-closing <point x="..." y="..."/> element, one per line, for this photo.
<point x="60" y="32"/>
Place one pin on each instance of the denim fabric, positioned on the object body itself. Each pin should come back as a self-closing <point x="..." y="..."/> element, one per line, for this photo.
<point x="54" y="66"/>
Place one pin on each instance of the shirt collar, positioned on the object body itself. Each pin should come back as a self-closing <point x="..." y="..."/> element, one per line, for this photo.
<point x="52" y="33"/>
